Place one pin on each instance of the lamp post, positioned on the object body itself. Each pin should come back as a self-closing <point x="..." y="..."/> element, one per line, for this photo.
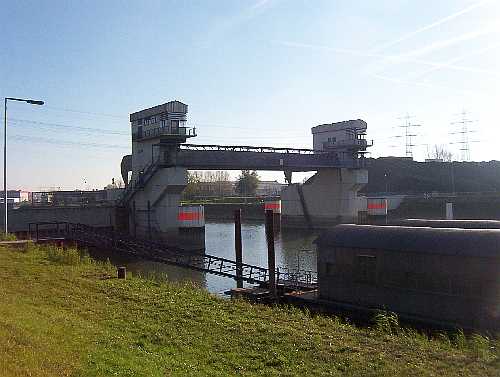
<point x="31" y="102"/>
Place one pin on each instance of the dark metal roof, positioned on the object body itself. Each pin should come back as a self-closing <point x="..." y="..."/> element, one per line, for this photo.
<point x="168" y="107"/>
<point x="446" y="241"/>
<point x="465" y="224"/>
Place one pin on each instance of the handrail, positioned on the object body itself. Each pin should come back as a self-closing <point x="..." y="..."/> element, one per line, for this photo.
<point x="133" y="186"/>
<point x="155" y="251"/>
<point x="247" y="148"/>
<point x="165" y="131"/>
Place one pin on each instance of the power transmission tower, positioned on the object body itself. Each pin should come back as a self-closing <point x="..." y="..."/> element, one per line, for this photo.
<point x="464" y="132"/>
<point x="409" y="134"/>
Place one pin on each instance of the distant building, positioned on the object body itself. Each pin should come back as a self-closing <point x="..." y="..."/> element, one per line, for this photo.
<point x="76" y="197"/>
<point x="214" y="189"/>
<point x="16" y="196"/>
<point x="269" y="188"/>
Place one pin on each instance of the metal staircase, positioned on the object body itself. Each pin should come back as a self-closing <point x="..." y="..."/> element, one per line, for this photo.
<point x="138" y="184"/>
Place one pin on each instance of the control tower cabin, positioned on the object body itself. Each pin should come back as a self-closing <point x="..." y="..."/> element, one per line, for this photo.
<point x="159" y="125"/>
<point x="346" y="139"/>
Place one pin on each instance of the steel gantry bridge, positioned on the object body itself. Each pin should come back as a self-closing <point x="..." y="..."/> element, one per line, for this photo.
<point x="227" y="157"/>
<point x="235" y="157"/>
<point x="110" y="240"/>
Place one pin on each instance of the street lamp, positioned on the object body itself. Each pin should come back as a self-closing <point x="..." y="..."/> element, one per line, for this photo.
<point x="31" y="102"/>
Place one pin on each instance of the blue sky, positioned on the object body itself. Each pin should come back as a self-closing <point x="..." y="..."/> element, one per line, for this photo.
<point x="259" y="72"/>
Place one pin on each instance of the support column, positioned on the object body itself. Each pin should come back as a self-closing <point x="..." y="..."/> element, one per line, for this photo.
<point x="271" y="256"/>
<point x="238" y="248"/>
<point x="328" y="198"/>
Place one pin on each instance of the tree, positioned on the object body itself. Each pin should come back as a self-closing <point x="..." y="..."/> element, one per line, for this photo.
<point x="247" y="183"/>
<point x="192" y="187"/>
<point x="440" y="153"/>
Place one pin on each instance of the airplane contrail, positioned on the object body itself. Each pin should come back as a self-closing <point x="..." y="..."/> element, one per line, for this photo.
<point x="450" y="63"/>
<point x="423" y="84"/>
<point x="431" y="47"/>
<point x="447" y="42"/>
<point x="430" y="26"/>
<point x="394" y="58"/>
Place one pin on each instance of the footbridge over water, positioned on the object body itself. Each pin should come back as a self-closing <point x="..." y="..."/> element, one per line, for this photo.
<point x="161" y="157"/>
<point x="108" y="239"/>
<point x="220" y="157"/>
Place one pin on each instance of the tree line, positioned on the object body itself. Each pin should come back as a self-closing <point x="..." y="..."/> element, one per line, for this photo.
<point x="219" y="184"/>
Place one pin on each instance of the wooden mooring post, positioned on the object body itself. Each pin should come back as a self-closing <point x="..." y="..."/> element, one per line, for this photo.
<point x="149" y="220"/>
<point x="238" y="248"/>
<point x="271" y="256"/>
<point x="134" y="214"/>
<point x="122" y="272"/>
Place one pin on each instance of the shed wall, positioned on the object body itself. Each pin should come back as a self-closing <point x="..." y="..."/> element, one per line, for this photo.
<point x="457" y="289"/>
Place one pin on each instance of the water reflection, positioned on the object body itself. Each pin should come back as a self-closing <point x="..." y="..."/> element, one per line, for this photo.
<point x="294" y="248"/>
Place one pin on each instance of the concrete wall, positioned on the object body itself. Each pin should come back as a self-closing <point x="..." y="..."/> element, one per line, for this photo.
<point x="340" y="135"/>
<point x="330" y="198"/>
<point x="143" y="154"/>
<point x="163" y="191"/>
<point x="225" y="211"/>
<point x="19" y="219"/>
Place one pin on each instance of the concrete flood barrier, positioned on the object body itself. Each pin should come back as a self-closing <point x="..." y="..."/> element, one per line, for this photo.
<point x="191" y="221"/>
<point x="274" y="205"/>
<point x="99" y="216"/>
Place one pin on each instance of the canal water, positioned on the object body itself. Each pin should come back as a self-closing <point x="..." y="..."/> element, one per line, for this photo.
<point x="294" y="249"/>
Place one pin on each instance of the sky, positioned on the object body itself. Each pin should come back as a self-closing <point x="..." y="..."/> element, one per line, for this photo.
<point x="253" y="72"/>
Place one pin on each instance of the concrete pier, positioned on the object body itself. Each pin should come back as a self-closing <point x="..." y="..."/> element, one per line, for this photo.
<point x="328" y="198"/>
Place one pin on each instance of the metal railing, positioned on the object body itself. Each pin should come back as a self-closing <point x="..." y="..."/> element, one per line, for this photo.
<point x="138" y="183"/>
<point x="353" y="143"/>
<point x="165" y="131"/>
<point x="107" y="238"/>
<point x="246" y="148"/>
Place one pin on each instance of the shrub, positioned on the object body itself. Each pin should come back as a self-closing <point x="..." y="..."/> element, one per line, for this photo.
<point x="7" y="237"/>
<point x="70" y="256"/>
<point x="387" y="322"/>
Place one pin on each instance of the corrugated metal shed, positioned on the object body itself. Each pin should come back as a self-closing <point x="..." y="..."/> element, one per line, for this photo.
<point x="445" y="241"/>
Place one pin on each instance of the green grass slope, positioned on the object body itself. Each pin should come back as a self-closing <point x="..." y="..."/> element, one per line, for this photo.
<point x="65" y="315"/>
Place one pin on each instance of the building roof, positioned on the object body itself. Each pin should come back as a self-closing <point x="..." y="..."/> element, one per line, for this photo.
<point x="170" y="107"/>
<point x="465" y="224"/>
<point x="273" y="182"/>
<point x="444" y="241"/>
<point x="358" y="124"/>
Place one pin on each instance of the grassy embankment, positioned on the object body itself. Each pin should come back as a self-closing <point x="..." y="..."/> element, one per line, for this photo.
<point x="63" y="314"/>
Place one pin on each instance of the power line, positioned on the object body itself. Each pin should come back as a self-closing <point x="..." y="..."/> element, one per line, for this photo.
<point x="59" y="142"/>
<point x="66" y="126"/>
<point x="85" y="112"/>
